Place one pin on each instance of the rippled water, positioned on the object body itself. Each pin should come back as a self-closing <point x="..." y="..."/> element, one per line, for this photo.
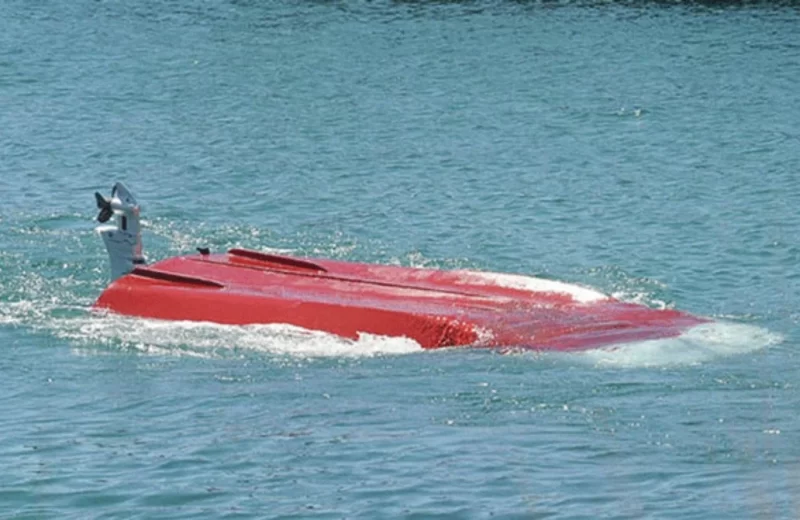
<point x="648" y="149"/>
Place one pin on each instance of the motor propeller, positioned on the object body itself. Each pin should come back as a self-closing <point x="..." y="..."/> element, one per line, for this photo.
<point x="104" y="205"/>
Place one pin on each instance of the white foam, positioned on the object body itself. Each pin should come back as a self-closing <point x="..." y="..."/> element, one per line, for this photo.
<point x="203" y="339"/>
<point x="698" y="344"/>
<point x="529" y="283"/>
<point x="641" y="298"/>
<point x="20" y="312"/>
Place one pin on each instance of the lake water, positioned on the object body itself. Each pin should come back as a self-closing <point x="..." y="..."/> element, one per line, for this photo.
<point x="649" y="149"/>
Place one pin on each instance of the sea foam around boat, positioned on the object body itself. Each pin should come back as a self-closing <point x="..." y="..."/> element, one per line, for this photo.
<point x="532" y="284"/>
<point x="211" y="340"/>
<point x="97" y="334"/>
<point x="699" y="344"/>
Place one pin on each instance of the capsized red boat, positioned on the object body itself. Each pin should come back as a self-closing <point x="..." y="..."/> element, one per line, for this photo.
<point x="435" y="308"/>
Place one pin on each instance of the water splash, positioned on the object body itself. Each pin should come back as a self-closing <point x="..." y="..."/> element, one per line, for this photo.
<point x="211" y="340"/>
<point x="88" y="332"/>
<point x="699" y="344"/>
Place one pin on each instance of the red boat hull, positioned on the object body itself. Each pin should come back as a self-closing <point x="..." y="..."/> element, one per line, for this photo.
<point x="433" y="307"/>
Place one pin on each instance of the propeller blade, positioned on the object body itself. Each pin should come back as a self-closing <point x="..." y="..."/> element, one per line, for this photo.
<point x="104" y="205"/>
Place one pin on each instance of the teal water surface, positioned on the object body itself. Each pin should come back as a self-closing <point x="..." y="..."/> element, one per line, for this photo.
<point x="648" y="149"/>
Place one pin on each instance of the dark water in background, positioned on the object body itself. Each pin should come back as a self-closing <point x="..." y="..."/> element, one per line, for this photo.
<point x="648" y="149"/>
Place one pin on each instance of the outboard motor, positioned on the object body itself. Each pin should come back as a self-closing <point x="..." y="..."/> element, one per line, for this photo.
<point x="123" y="238"/>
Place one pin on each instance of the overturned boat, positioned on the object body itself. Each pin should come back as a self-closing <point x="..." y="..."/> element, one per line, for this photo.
<point x="435" y="308"/>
